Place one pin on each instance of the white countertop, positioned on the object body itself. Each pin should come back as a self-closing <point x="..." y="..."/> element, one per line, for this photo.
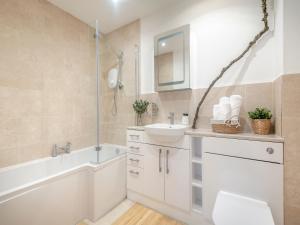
<point x="210" y="133"/>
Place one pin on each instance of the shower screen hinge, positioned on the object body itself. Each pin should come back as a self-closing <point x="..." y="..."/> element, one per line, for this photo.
<point x="98" y="148"/>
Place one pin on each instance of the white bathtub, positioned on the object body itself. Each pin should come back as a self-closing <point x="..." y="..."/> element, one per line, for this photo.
<point x="63" y="190"/>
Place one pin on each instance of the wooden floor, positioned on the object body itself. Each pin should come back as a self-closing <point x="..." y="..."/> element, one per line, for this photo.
<point x="140" y="215"/>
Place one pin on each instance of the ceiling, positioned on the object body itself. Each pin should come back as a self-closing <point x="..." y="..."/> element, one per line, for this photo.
<point x="111" y="14"/>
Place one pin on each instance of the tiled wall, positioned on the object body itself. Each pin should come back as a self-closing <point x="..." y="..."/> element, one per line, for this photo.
<point x="47" y="80"/>
<point x="113" y="127"/>
<point x="277" y="101"/>
<point x="47" y="86"/>
<point x="291" y="133"/>
<point x="186" y="102"/>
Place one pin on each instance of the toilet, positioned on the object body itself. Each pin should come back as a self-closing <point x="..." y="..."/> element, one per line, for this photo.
<point x="233" y="209"/>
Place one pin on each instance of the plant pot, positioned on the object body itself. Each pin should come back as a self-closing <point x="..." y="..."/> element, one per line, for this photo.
<point x="261" y="126"/>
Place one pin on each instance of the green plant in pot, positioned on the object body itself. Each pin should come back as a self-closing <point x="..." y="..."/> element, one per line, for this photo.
<point x="140" y="107"/>
<point x="261" y="120"/>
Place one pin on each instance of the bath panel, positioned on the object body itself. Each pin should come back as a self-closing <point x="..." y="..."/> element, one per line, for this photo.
<point x="63" y="190"/>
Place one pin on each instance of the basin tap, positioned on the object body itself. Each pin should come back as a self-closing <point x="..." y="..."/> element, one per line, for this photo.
<point x="171" y="117"/>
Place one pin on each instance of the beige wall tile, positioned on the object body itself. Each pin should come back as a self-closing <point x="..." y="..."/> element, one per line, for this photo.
<point x="187" y="101"/>
<point x="277" y="102"/>
<point x="290" y="132"/>
<point x="258" y="95"/>
<point x="291" y="95"/>
<point x="292" y="215"/>
<point x="47" y="80"/>
<point x="8" y="156"/>
<point x="114" y="126"/>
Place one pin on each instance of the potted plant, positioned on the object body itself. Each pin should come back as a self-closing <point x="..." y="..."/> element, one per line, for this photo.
<point x="140" y="107"/>
<point x="261" y="120"/>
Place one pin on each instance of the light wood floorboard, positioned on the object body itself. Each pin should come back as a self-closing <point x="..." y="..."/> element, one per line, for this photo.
<point x="140" y="215"/>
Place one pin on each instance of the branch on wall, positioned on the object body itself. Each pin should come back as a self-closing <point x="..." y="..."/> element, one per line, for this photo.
<point x="223" y="71"/>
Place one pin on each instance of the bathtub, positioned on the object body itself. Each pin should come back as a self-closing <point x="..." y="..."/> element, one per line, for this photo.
<point x="65" y="189"/>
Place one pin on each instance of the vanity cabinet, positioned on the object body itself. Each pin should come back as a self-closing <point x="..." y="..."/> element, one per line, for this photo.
<point x="161" y="173"/>
<point x="154" y="173"/>
<point x="182" y="178"/>
<point x="177" y="178"/>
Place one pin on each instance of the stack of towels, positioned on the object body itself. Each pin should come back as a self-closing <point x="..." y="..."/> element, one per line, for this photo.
<point x="228" y="108"/>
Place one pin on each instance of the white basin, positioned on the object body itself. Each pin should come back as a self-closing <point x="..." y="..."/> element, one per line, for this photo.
<point x="163" y="129"/>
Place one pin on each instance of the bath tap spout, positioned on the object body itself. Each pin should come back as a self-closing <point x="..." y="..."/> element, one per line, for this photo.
<point x="58" y="150"/>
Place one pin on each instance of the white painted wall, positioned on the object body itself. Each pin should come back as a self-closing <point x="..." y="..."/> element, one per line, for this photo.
<point x="220" y="30"/>
<point x="291" y="36"/>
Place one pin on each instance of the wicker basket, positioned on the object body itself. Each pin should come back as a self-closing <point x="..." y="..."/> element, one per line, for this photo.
<point x="262" y="126"/>
<point x="226" y="127"/>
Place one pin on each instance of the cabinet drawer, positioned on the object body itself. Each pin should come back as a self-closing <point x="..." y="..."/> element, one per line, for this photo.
<point x="134" y="136"/>
<point x="135" y="148"/>
<point x="257" y="150"/>
<point x="135" y="160"/>
<point x="135" y="179"/>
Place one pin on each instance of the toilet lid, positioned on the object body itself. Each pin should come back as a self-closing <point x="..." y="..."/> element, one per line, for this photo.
<point x="232" y="209"/>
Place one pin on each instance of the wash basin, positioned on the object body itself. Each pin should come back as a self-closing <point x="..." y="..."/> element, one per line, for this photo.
<point x="164" y="129"/>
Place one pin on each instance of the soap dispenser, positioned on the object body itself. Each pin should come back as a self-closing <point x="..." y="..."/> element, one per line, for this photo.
<point x="185" y="119"/>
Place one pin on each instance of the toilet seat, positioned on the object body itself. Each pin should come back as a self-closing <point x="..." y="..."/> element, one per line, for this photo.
<point x="232" y="209"/>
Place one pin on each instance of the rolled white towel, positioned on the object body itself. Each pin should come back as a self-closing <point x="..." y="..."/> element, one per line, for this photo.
<point x="224" y="100"/>
<point x="235" y="99"/>
<point x="235" y="103"/>
<point x="216" y="112"/>
<point x="225" y="111"/>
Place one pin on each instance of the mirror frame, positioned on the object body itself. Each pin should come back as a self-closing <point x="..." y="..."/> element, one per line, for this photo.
<point x="185" y="84"/>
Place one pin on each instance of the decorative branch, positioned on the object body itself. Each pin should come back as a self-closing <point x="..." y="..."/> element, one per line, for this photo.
<point x="250" y="45"/>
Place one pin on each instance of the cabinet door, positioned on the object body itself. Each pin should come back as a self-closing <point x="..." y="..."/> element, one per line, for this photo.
<point x="177" y="178"/>
<point x="154" y="172"/>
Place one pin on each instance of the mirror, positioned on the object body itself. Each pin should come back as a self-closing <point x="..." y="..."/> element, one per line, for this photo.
<point x="171" y="57"/>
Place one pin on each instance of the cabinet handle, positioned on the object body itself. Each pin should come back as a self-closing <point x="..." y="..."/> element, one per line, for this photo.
<point x="134" y="148"/>
<point x="167" y="162"/>
<point x="270" y="150"/>
<point x="134" y="160"/>
<point x="133" y="172"/>
<point x="159" y="163"/>
<point x="134" y="136"/>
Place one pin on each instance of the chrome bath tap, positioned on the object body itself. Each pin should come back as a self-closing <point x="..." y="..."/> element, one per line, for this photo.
<point x="58" y="150"/>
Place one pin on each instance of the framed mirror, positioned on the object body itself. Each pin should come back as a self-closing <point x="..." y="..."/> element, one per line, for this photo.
<point x="172" y="59"/>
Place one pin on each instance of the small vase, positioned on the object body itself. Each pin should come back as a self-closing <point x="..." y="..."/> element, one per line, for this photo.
<point x="139" y="120"/>
<point x="261" y="126"/>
